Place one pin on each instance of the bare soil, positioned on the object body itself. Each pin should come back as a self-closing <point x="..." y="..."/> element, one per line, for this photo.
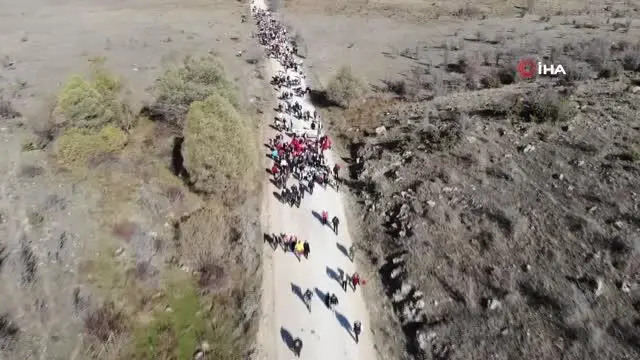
<point x="494" y="235"/>
<point x="70" y="240"/>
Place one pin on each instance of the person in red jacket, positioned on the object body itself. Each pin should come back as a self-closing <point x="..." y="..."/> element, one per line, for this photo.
<point x="355" y="281"/>
<point x="325" y="217"/>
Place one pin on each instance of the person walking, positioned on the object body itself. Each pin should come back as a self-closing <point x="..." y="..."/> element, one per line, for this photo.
<point x="297" y="346"/>
<point x="325" y="217"/>
<point x="306" y="249"/>
<point x="299" y="249"/>
<point x="355" y="281"/>
<point x="335" y="222"/>
<point x="343" y="280"/>
<point x="357" y="329"/>
<point x="333" y="300"/>
<point x="336" y="171"/>
<point x="308" y="295"/>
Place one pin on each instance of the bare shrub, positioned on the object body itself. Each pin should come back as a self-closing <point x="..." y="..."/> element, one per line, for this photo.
<point x="7" y="111"/>
<point x="105" y="322"/>
<point x="125" y="230"/>
<point x="397" y="86"/>
<point x="29" y="264"/>
<point x="202" y="242"/>
<point x="548" y="106"/>
<point x="345" y="88"/>
<point x="194" y="80"/>
<point x="219" y="148"/>
<point x="576" y="70"/>
<point x="597" y="53"/>
<point x="9" y="332"/>
<point x="631" y="58"/>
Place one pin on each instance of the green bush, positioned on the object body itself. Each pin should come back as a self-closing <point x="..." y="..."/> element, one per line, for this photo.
<point x="94" y="101"/>
<point x="344" y="89"/>
<point x="76" y="146"/>
<point x="218" y="149"/>
<point x="194" y="80"/>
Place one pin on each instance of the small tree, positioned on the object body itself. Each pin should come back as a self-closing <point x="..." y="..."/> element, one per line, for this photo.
<point x="344" y="89"/>
<point x="194" y="80"/>
<point x="218" y="148"/>
<point x="95" y="101"/>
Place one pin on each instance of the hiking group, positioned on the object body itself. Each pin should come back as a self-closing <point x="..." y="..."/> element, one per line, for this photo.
<point x="298" y="153"/>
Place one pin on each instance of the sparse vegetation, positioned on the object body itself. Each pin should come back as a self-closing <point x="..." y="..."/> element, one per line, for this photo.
<point x="194" y="80"/>
<point x="548" y="106"/>
<point x="180" y="328"/>
<point x="7" y="111"/>
<point x="202" y="237"/>
<point x="9" y="332"/>
<point x="75" y="147"/>
<point x="105" y="322"/>
<point x="94" y="102"/>
<point x="345" y="88"/>
<point x="219" y="149"/>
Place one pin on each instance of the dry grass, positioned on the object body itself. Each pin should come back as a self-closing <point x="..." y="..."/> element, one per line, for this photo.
<point x="219" y="148"/>
<point x="7" y="111"/>
<point x="345" y="88"/>
<point x="203" y="236"/>
<point x="105" y="322"/>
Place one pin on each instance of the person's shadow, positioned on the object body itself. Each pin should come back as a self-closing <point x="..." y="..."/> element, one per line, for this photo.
<point x="333" y="275"/>
<point x="343" y="249"/>
<point x="317" y="216"/>
<point x="344" y="322"/>
<point x="296" y="290"/>
<point x="322" y="295"/>
<point x="286" y="337"/>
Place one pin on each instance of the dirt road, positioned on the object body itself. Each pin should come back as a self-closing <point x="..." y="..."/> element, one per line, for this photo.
<point x="326" y="334"/>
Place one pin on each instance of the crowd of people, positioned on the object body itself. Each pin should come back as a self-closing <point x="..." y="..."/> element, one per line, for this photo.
<point x="298" y="149"/>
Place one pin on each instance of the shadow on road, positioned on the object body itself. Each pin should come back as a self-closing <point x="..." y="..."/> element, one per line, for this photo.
<point x="317" y="216"/>
<point x="321" y="295"/>
<point x="333" y="275"/>
<point x="342" y="249"/>
<point x="286" y="337"/>
<point x="344" y="322"/>
<point x="277" y="196"/>
<point x="296" y="290"/>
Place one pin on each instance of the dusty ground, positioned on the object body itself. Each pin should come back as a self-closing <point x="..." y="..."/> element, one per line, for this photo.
<point x="494" y="236"/>
<point x="71" y="240"/>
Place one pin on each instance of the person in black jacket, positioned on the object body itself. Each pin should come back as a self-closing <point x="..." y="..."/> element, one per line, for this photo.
<point x="297" y="346"/>
<point x="307" y="249"/>
<point x="357" y="329"/>
<point x="335" y="222"/>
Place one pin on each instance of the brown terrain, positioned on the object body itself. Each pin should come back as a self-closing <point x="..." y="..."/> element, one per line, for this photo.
<point x="501" y="215"/>
<point x="107" y="251"/>
<point x="497" y="218"/>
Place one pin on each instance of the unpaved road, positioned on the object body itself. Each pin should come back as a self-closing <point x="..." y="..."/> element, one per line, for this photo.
<point x="326" y="334"/>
